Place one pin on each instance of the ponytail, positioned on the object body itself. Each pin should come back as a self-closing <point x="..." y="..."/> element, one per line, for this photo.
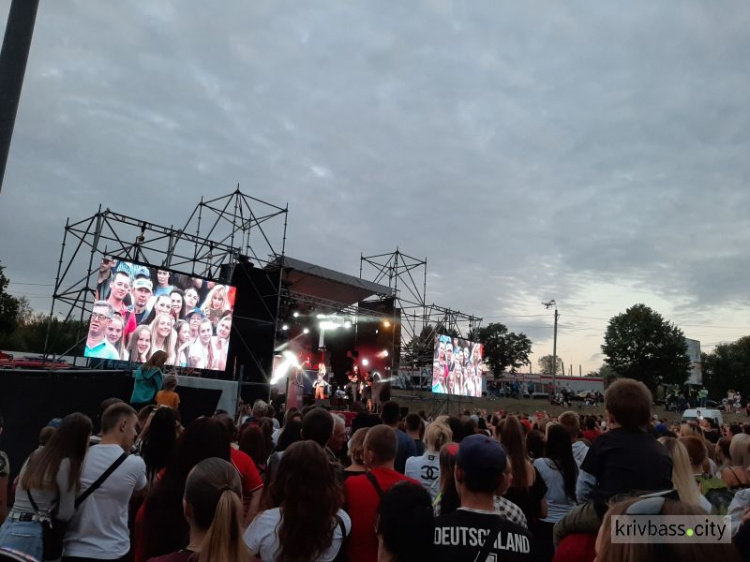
<point x="223" y="540"/>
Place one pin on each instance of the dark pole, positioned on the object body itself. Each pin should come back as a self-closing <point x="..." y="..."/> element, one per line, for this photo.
<point x="13" y="57"/>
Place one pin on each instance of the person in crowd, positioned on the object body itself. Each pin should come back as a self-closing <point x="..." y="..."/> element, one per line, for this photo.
<point x="447" y="500"/>
<point x="47" y="487"/>
<point x="572" y="424"/>
<point x="177" y="298"/>
<point x="535" y="444"/>
<point x="104" y="278"/>
<point x="99" y="527"/>
<point x="201" y="353"/>
<point x="184" y="341"/>
<point x="252" y="485"/>
<point x="683" y="478"/>
<point x="406" y="447"/>
<point x="167" y="396"/>
<point x="722" y="454"/>
<point x="148" y="380"/>
<point x="220" y="341"/>
<point x="138" y="349"/>
<point x="474" y="531"/>
<point x="158" y="441"/>
<point x="647" y="551"/>
<point x="363" y="492"/>
<point x="559" y="471"/>
<point x="213" y="510"/>
<point x="356" y="454"/>
<point x="623" y="459"/>
<point x="163" y="337"/>
<point x="527" y="488"/>
<point x="142" y="293"/>
<point x="216" y="304"/>
<point x="159" y="305"/>
<point x="291" y="433"/>
<point x="317" y="425"/>
<point x="592" y="431"/>
<point x="736" y="475"/>
<point x="506" y="508"/>
<point x="405" y="525"/>
<point x="163" y="286"/>
<point x="253" y="444"/>
<point x="119" y="292"/>
<point x="4" y="475"/>
<point x="159" y="526"/>
<point x="426" y="468"/>
<point x="191" y="298"/>
<point x="97" y="344"/>
<point x="415" y="430"/>
<point x="114" y="333"/>
<point x="338" y="437"/>
<point x="302" y="519"/>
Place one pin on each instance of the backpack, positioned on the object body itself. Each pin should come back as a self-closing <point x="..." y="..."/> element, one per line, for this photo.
<point x="716" y="492"/>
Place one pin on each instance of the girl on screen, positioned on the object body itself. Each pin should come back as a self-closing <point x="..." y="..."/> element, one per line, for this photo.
<point x="114" y="332"/>
<point x="216" y="304"/>
<point x="220" y="342"/>
<point x="159" y="305"/>
<point x="177" y="309"/>
<point x="162" y="283"/>
<point x="163" y="337"/>
<point x="139" y="346"/>
<point x="184" y="341"/>
<point x="191" y="299"/>
<point x="201" y="354"/>
<point x="470" y="384"/>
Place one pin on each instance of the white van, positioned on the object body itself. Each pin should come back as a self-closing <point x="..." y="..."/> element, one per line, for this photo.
<point x="697" y="414"/>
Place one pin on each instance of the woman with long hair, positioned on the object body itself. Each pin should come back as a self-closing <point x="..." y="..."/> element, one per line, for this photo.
<point x="736" y="475"/>
<point x="114" y="332"/>
<point x="47" y="486"/>
<point x="159" y="525"/>
<point x="447" y="500"/>
<point x="183" y="343"/>
<point x="201" y="353"/>
<point x="178" y="304"/>
<point x="405" y="525"/>
<point x="220" y="341"/>
<point x="683" y="478"/>
<point x="216" y="303"/>
<point x="159" y="440"/>
<point x="425" y="469"/>
<point x="148" y="380"/>
<point x="356" y="453"/>
<point x="303" y="519"/>
<point x="161" y="305"/>
<point x="559" y="471"/>
<point x="139" y="345"/>
<point x="527" y="489"/>
<point x="213" y="510"/>
<point x="163" y="286"/>
<point x="163" y="337"/>
<point x="253" y="443"/>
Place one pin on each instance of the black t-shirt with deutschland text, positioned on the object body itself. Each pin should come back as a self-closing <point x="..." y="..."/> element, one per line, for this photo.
<point x="460" y="536"/>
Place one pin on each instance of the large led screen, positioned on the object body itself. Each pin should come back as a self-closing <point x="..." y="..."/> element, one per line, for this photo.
<point x="139" y="310"/>
<point x="457" y="367"/>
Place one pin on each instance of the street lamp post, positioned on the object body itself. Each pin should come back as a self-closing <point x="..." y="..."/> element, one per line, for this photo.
<point x="548" y="305"/>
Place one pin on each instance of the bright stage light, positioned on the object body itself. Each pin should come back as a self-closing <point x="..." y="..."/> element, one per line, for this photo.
<point x="347" y="324"/>
<point x="383" y="354"/>
<point x="296" y="314"/>
<point x="285" y="327"/>
<point x="328" y="325"/>
<point x="386" y="323"/>
<point x="306" y="331"/>
<point x="290" y="362"/>
<point x="365" y="362"/>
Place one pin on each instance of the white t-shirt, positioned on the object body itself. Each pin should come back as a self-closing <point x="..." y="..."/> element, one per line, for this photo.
<point x="426" y="470"/>
<point x="262" y="540"/>
<point x="580" y="450"/>
<point x="99" y="528"/>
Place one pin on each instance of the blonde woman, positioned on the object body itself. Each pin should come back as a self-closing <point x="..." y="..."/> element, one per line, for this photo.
<point x="736" y="476"/>
<point x="357" y="453"/>
<point x="426" y="468"/>
<point x="163" y="337"/>
<point x="216" y="304"/>
<point x="683" y="479"/>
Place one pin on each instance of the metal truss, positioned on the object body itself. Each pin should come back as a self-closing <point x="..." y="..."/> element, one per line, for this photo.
<point x="219" y="233"/>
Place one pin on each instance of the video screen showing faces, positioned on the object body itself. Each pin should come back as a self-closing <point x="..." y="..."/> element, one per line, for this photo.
<point x="139" y="310"/>
<point x="457" y="367"/>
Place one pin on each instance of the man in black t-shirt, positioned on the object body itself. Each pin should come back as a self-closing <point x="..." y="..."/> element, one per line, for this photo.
<point x="475" y="532"/>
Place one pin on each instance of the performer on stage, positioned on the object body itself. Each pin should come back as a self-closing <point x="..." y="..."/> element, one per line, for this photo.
<point x="366" y="390"/>
<point x="352" y="387"/>
<point x="320" y="384"/>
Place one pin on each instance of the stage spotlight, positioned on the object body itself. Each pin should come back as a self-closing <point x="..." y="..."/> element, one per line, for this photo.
<point x="296" y="314"/>
<point x="285" y="327"/>
<point x="306" y="331"/>
<point x="347" y="324"/>
<point x="365" y="362"/>
<point x="386" y="324"/>
<point x="383" y="354"/>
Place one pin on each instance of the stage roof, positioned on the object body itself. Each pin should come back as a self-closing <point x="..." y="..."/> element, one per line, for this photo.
<point x="322" y="283"/>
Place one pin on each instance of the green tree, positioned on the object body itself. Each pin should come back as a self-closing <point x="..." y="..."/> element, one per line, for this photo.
<point x="502" y="349"/>
<point x="727" y="368"/>
<point x="8" y="306"/>
<point x="640" y="344"/>
<point x="420" y="351"/>
<point x="545" y="365"/>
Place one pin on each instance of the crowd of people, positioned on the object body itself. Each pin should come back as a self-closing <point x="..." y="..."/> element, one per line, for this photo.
<point x="138" y="311"/>
<point x="303" y="484"/>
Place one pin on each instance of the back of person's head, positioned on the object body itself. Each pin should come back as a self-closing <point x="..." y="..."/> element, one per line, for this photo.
<point x="228" y="424"/>
<point x="156" y="361"/>
<point x="571" y="423"/>
<point x="260" y="409"/>
<point x="480" y="464"/>
<point x="648" y="551"/>
<point x="722" y="446"/>
<point x="510" y="434"/>
<point x="735" y="429"/>
<point x="682" y="472"/>
<point x="457" y="428"/>
<point x="535" y="443"/>
<point x="159" y="440"/>
<point x="103" y="408"/>
<point x="291" y="433"/>
<point x="70" y="441"/>
<point x="391" y="413"/>
<point x="405" y="523"/>
<point x="450" y="501"/>
<point x="253" y="444"/>
<point x="170" y="382"/>
<point x="291" y="414"/>
<point x="317" y="425"/>
<point x="739" y="450"/>
<point x="357" y="446"/>
<point x="114" y="415"/>
<point x="306" y="490"/>
<point x="45" y="434"/>
<point x="696" y="450"/>
<point x="213" y="503"/>
<point x="413" y="422"/>
<point x="590" y="423"/>
<point x="629" y="402"/>
<point x="381" y="446"/>
<point x="436" y="435"/>
<point x="559" y="450"/>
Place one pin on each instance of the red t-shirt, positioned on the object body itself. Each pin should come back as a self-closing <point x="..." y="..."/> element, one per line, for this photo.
<point x="591" y="434"/>
<point x="249" y="475"/>
<point x="362" y="503"/>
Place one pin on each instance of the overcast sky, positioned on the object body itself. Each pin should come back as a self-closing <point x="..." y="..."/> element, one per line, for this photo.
<point x="593" y="152"/>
